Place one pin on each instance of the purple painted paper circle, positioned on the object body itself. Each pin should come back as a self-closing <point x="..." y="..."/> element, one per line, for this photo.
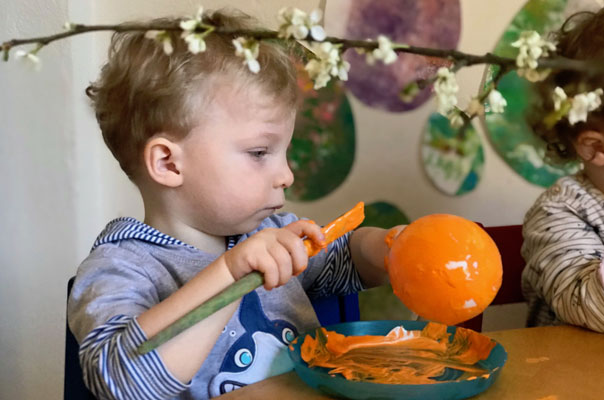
<point x="426" y="23"/>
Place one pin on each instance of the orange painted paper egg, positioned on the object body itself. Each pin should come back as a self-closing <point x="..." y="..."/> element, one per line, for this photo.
<point x="444" y="268"/>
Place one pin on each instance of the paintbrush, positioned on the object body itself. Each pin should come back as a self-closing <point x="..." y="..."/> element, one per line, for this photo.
<point x="251" y="281"/>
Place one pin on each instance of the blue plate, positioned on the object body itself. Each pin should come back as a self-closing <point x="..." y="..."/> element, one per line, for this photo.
<point x="445" y="388"/>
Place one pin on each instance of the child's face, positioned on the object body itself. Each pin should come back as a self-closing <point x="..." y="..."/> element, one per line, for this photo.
<point x="234" y="166"/>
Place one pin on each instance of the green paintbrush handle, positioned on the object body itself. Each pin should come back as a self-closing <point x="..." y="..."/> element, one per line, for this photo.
<point x="237" y="290"/>
<point x="340" y="226"/>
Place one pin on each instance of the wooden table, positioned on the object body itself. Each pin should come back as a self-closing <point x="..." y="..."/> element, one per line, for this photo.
<point x="546" y="363"/>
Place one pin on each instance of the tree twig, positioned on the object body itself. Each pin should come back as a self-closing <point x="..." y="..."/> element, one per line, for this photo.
<point x="466" y="59"/>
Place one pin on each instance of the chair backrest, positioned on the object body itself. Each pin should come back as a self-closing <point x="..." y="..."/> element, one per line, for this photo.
<point x="73" y="384"/>
<point x="335" y="309"/>
<point x="509" y="241"/>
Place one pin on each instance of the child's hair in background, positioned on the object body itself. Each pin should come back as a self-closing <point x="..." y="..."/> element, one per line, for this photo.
<point x="141" y="91"/>
<point x="581" y="37"/>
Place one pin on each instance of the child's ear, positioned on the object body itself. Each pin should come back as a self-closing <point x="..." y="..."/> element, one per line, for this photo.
<point x="590" y="147"/>
<point x="162" y="159"/>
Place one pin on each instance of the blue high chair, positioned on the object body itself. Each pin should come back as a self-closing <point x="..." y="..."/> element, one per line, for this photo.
<point x="73" y="383"/>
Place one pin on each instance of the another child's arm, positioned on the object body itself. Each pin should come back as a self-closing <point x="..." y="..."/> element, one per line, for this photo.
<point x="563" y="256"/>
<point x="369" y="250"/>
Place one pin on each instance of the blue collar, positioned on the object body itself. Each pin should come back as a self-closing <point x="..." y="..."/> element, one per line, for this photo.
<point x="130" y="228"/>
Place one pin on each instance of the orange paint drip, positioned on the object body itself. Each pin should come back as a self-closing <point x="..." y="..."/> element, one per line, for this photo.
<point x="337" y="228"/>
<point x="400" y="357"/>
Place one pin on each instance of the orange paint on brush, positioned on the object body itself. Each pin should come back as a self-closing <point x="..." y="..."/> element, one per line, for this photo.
<point x="337" y="228"/>
<point x="444" y="268"/>
<point x="400" y="357"/>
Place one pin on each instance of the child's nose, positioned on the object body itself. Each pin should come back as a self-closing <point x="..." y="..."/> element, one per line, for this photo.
<point x="285" y="177"/>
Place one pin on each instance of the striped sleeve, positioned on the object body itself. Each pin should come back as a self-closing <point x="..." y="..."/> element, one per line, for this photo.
<point x="113" y="369"/>
<point x="338" y="276"/>
<point x="561" y="279"/>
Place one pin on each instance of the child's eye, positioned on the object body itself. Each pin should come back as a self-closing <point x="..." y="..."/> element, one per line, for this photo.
<point x="258" y="153"/>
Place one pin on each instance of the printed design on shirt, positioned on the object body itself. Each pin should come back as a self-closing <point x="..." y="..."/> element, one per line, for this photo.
<point x="260" y="352"/>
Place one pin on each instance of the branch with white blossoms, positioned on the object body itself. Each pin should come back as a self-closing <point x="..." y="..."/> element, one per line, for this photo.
<point x="194" y="31"/>
<point x="248" y="49"/>
<point x="294" y="25"/>
<point x="574" y="108"/>
<point x="531" y="47"/>
<point x="385" y="51"/>
<point x="447" y="100"/>
<point x="297" y="24"/>
<point x="534" y="60"/>
<point x="30" y="57"/>
<point x="327" y="63"/>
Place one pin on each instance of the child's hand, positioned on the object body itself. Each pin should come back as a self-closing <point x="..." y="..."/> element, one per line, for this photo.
<point x="278" y="254"/>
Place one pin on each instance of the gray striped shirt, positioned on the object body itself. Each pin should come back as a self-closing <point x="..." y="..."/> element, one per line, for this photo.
<point x="563" y="246"/>
<point x="133" y="266"/>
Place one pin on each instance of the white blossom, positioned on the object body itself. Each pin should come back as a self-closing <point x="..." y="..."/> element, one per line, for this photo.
<point x="446" y="89"/>
<point x="194" y="39"/>
<point x="248" y="49"/>
<point x="384" y="52"/>
<point x="295" y="22"/>
<point x="29" y="57"/>
<point x="163" y="38"/>
<point x="497" y="102"/>
<point x="559" y="97"/>
<point x="69" y="26"/>
<point x="327" y="63"/>
<point x="317" y="73"/>
<point x="190" y="25"/>
<point x="531" y="46"/>
<point x="582" y="104"/>
<point x="195" y="42"/>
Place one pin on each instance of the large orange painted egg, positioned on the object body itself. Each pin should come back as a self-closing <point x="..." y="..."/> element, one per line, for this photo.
<point x="444" y="268"/>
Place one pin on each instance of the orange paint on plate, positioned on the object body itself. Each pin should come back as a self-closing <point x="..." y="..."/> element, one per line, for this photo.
<point x="444" y="268"/>
<point x="400" y="357"/>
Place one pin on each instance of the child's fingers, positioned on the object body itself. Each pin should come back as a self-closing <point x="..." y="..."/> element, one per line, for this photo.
<point x="270" y="270"/>
<point x="283" y="259"/>
<point x="309" y="229"/>
<point x="296" y="249"/>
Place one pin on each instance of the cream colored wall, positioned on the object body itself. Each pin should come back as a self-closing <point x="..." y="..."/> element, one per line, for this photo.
<point x="61" y="185"/>
<point x="38" y="195"/>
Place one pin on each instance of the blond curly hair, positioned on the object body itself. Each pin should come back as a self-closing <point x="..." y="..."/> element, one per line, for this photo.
<point x="141" y="91"/>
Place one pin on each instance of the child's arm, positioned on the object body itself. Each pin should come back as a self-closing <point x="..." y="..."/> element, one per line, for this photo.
<point x="563" y="256"/>
<point x="278" y="253"/>
<point x="112" y="367"/>
<point x="369" y="249"/>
